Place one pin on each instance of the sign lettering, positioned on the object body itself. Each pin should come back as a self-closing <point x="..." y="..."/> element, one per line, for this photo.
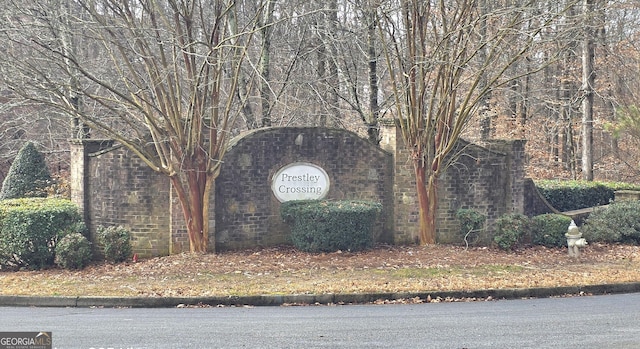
<point x="300" y="181"/>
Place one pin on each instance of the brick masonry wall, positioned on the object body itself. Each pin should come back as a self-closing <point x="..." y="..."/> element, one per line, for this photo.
<point x="119" y="189"/>
<point x="405" y="201"/>
<point x="488" y="179"/>
<point x="247" y="212"/>
<point x="113" y="187"/>
<point x="534" y="203"/>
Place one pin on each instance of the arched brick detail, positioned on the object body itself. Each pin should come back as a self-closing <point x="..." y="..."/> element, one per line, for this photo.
<point x="248" y="214"/>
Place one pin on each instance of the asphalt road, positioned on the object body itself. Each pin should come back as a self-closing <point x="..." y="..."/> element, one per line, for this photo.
<point x="611" y="321"/>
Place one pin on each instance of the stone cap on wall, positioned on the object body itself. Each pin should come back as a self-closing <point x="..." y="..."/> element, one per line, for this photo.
<point x="94" y="146"/>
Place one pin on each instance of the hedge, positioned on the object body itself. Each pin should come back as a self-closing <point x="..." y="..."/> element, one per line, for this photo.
<point x="574" y="195"/>
<point x="327" y="226"/>
<point x="31" y="227"/>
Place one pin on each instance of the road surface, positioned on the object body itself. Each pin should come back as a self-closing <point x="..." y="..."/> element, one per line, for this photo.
<point x="611" y="321"/>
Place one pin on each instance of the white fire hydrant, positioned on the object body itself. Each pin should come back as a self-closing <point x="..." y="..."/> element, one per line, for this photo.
<point x="575" y="241"/>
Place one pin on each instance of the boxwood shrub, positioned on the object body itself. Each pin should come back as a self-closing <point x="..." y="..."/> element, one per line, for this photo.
<point x="550" y="229"/>
<point x="471" y="225"/>
<point x="73" y="251"/>
<point x="575" y="195"/>
<point x="511" y="230"/>
<point x="618" y="222"/>
<point x="116" y="243"/>
<point x="327" y="226"/>
<point x="30" y="229"/>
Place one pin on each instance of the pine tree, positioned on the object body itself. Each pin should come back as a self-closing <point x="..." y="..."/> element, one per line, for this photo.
<point x="28" y="175"/>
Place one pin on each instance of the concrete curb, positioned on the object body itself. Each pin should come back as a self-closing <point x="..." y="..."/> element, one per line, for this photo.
<point x="302" y="299"/>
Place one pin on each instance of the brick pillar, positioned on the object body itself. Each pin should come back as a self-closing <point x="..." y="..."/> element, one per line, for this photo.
<point x="78" y="168"/>
<point x="80" y="151"/>
<point x="405" y="200"/>
<point x="515" y="161"/>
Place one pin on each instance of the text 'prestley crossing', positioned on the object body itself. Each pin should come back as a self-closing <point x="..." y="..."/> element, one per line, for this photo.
<point x="295" y="183"/>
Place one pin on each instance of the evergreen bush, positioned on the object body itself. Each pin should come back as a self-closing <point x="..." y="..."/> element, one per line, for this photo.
<point x="550" y="229"/>
<point x="618" y="222"/>
<point x="73" y="251"/>
<point x="471" y="224"/>
<point x="116" y="243"/>
<point x="574" y="195"/>
<point x="28" y="175"/>
<point x="511" y="230"/>
<point x="327" y="226"/>
<point x="30" y="229"/>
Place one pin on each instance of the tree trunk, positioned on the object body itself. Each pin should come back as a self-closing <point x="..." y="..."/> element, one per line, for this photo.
<point x="484" y="106"/>
<point x="331" y="27"/>
<point x="427" y="201"/>
<point x="373" y="130"/>
<point x="321" y="73"/>
<point x="588" y="78"/>
<point x="265" y="62"/>
<point x="193" y="187"/>
<point x="243" y="86"/>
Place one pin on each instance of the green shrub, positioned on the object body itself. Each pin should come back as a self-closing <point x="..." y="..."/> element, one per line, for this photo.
<point x="30" y="229"/>
<point x="550" y="229"/>
<point x="116" y="243"/>
<point x="73" y="251"/>
<point x="511" y="230"/>
<point x="618" y="222"/>
<point x="471" y="224"/>
<point x="326" y="226"/>
<point x="28" y="175"/>
<point x="574" y="195"/>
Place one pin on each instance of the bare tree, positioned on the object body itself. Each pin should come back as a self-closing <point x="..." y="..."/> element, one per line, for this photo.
<point x="372" y="117"/>
<point x="159" y="79"/>
<point x="360" y="94"/>
<point x="588" y="79"/>
<point x="266" y="31"/>
<point x="444" y="60"/>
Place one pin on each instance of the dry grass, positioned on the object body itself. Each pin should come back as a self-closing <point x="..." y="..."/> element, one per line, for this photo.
<point x="284" y="270"/>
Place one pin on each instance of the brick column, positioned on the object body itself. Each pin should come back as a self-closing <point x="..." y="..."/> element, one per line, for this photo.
<point x="80" y="149"/>
<point x="405" y="200"/>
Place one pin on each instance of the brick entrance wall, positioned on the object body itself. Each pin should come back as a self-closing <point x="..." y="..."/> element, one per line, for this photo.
<point x="113" y="187"/>
<point x="488" y="178"/>
<point x="247" y="212"/>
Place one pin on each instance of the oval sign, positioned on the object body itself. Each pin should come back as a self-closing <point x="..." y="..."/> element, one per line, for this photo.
<point x="300" y="181"/>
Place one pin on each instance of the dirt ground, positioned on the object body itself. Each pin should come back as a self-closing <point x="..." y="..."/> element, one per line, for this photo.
<point x="284" y="270"/>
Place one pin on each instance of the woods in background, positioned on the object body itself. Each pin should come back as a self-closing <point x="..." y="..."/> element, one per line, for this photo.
<point x="173" y="80"/>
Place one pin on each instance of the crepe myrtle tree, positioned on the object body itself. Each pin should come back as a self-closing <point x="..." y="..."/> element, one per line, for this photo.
<point x="155" y="75"/>
<point x="444" y="58"/>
